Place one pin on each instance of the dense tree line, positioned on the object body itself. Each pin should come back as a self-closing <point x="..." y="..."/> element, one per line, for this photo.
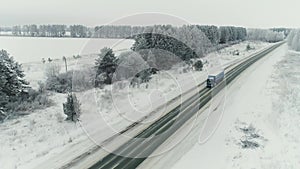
<point x="286" y="31"/>
<point x="211" y="32"/>
<point x="198" y="39"/>
<point x="185" y="42"/>
<point x="80" y="31"/>
<point x="214" y="34"/>
<point x="265" y="35"/>
<point x="230" y="33"/>
<point x="42" y="30"/>
<point x="111" y="31"/>
<point x="52" y="31"/>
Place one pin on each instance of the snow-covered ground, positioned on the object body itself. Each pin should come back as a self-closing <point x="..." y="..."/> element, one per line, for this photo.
<point x="260" y="125"/>
<point x="43" y="134"/>
<point x="33" y="49"/>
<point x="226" y="56"/>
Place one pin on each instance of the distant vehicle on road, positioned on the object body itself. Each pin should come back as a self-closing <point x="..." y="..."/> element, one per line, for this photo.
<point x="215" y="79"/>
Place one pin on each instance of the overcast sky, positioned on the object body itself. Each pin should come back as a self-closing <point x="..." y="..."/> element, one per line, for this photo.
<point x="248" y="13"/>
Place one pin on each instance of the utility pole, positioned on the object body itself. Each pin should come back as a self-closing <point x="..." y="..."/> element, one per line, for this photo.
<point x="65" y="60"/>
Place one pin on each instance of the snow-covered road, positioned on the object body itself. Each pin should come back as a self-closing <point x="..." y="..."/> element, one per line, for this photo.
<point x="254" y="131"/>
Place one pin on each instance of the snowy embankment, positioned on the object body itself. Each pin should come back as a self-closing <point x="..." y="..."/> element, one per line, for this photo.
<point x="260" y="127"/>
<point x="34" y="138"/>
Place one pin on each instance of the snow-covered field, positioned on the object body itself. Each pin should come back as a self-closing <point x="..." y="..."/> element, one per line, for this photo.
<point x="260" y="126"/>
<point x="33" y="49"/>
<point x="44" y="133"/>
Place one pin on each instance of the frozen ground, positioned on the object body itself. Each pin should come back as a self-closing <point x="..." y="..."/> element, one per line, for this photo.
<point x="260" y="126"/>
<point x="43" y="134"/>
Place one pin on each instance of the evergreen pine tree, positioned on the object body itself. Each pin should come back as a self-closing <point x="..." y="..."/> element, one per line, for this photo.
<point x="72" y="108"/>
<point x="12" y="82"/>
<point x="11" y="76"/>
<point x="105" y="66"/>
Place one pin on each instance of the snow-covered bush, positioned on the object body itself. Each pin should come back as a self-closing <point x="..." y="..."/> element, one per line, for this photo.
<point x="78" y="80"/>
<point x="52" y="69"/>
<point x="294" y="40"/>
<point x="72" y="108"/>
<point x="248" y="47"/>
<point x="29" y="101"/>
<point x="198" y="65"/>
<point x="129" y="64"/>
<point x="83" y="79"/>
<point x="60" y="83"/>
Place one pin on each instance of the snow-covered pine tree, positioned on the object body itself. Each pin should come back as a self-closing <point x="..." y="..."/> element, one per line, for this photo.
<point x="12" y="82"/>
<point x="105" y="66"/>
<point x="11" y="77"/>
<point x="72" y="108"/>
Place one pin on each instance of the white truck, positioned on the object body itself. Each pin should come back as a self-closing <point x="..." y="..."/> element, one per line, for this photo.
<point x="215" y="79"/>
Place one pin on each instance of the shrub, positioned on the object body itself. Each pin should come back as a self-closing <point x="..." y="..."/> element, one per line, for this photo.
<point x="248" y="47"/>
<point x="72" y="108"/>
<point x="52" y="70"/>
<point x="71" y="81"/>
<point x="76" y="56"/>
<point x="27" y="101"/>
<point x="83" y="80"/>
<point x="60" y="83"/>
<point x="42" y="87"/>
<point x="198" y="65"/>
<point x="143" y="76"/>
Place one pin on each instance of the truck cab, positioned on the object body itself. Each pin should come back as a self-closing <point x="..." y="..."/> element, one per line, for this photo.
<point x="210" y="83"/>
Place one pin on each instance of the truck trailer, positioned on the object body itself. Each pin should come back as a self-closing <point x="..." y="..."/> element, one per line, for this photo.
<point x="215" y="79"/>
